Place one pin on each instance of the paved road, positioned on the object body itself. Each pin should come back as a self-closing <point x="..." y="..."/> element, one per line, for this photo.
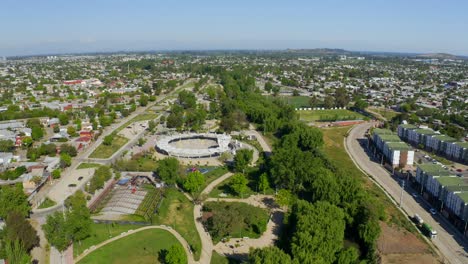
<point x="177" y="235"/>
<point x="449" y="241"/>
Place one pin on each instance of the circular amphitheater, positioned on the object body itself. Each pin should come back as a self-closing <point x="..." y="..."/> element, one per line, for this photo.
<point x="193" y="145"/>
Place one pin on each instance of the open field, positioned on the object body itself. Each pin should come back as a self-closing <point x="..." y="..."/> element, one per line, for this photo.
<point x="386" y="113"/>
<point x="140" y="248"/>
<point x="296" y="101"/>
<point x="219" y="259"/>
<point x="176" y="211"/>
<point x="104" y="152"/>
<point x="100" y="233"/>
<point x="329" y="115"/>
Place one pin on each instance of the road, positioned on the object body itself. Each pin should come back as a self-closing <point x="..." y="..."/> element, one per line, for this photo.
<point x="450" y="242"/>
<point x="130" y="232"/>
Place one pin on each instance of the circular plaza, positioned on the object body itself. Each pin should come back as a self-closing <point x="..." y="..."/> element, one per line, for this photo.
<point x="193" y="145"/>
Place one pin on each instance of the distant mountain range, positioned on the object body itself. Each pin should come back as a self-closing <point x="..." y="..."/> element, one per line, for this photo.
<point x="331" y="52"/>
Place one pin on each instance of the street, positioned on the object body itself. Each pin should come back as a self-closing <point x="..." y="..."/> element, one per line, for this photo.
<point x="450" y="242"/>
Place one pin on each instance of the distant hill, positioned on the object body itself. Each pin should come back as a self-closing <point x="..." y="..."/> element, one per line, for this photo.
<point x="323" y="51"/>
<point x="439" y="56"/>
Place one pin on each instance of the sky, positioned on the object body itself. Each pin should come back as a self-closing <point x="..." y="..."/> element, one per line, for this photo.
<point x="30" y="27"/>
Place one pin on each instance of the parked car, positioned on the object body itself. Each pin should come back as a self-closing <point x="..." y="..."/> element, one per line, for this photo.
<point x="415" y="195"/>
<point x="433" y="211"/>
<point x="80" y="178"/>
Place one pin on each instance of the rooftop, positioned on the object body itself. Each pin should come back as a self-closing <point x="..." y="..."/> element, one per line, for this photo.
<point x="445" y="138"/>
<point x="398" y="146"/>
<point x="463" y="196"/>
<point x="434" y="170"/>
<point x="462" y="144"/>
<point x="390" y="138"/>
<point x="381" y="131"/>
<point x="425" y="131"/>
<point x="450" y="181"/>
<point x="408" y="126"/>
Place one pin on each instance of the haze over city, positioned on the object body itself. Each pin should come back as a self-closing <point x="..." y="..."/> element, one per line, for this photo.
<point x="45" y="27"/>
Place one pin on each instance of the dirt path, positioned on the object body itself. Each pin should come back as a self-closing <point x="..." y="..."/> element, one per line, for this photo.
<point x="130" y="232"/>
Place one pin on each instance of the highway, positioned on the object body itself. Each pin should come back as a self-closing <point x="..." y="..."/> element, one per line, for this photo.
<point x="450" y="242"/>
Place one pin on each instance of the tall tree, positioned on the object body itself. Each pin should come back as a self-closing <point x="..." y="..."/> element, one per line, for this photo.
<point x="18" y="228"/>
<point x="168" y="170"/>
<point x="15" y="253"/>
<point x="194" y="181"/>
<point x="242" y="159"/>
<point x="268" y="255"/>
<point x="13" y="198"/>
<point x="263" y="183"/>
<point x="238" y="183"/>
<point x="56" y="232"/>
<point x="175" y="255"/>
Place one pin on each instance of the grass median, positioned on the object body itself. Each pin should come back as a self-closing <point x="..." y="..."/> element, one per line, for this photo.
<point x="105" y="152"/>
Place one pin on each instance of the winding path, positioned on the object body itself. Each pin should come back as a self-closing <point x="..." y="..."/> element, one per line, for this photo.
<point x="131" y="232"/>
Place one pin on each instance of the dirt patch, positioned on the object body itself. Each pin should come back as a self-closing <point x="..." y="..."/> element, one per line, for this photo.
<point x="397" y="245"/>
<point x="394" y="240"/>
<point x="409" y="259"/>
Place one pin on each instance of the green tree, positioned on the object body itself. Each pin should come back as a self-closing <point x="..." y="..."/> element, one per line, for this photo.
<point x="348" y="256"/>
<point x="56" y="174"/>
<point x="168" y="170"/>
<point x="65" y="160"/>
<point x="361" y="104"/>
<point x="37" y="132"/>
<point x="78" y="217"/>
<point x="151" y="125"/>
<point x="268" y="255"/>
<point x="13" y="198"/>
<point x="15" y="253"/>
<point x="56" y="231"/>
<point x="318" y="232"/>
<point x="284" y="197"/>
<point x="18" y="228"/>
<point x="71" y="130"/>
<point x="175" y="255"/>
<point x="63" y="119"/>
<point x="242" y="159"/>
<point x="263" y="183"/>
<point x="143" y="100"/>
<point x="108" y="140"/>
<point x="194" y="181"/>
<point x="239" y="183"/>
<point x="69" y="149"/>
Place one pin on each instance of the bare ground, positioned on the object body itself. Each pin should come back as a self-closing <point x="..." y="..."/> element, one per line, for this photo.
<point x="397" y="245"/>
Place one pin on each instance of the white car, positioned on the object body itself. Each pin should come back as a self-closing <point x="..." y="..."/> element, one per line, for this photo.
<point x="433" y="211"/>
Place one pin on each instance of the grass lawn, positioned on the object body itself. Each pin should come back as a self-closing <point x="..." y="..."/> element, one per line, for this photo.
<point x="177" y="211"/>
<point x="213" y="174"/>
<point x="104" y="152"/>
<point x="386" y="113"/>
<point x="329" y="115"/>
<point x="334" y="149"/>
<point x="224" y="187"/>
<point x="47" y="203"/>
<point x="139" y="248"/>
<point x="100" y="233"/>
<point x="88" y="165"/>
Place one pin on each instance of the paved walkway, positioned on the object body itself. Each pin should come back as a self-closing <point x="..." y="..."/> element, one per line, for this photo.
<point x="130" y="232"/>
<point x="449" y="241"/>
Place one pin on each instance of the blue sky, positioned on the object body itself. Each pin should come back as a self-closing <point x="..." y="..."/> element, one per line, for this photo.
<point x="61" y="26"/>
